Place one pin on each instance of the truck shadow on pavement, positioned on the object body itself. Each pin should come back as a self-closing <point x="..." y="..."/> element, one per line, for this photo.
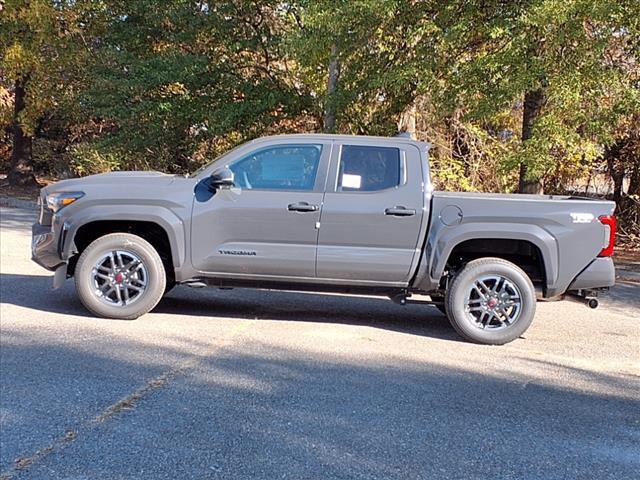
<point x="34" y="292"/>
<point x="255" y="410"/>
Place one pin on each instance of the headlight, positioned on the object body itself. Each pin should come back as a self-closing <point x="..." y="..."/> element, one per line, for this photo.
<point x="55" y="201"/>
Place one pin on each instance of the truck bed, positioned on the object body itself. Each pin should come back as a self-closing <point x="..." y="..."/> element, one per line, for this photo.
<point x="565" y="229"/>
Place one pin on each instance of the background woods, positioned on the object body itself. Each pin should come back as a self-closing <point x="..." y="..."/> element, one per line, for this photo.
<point x="529" y="95"/>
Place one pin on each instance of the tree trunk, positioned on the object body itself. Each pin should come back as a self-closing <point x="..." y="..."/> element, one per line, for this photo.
<point x="616" y="169"/>
<point x="332" y="86"/>
<point x="21" y="169"/>
<point x="634" y="180"/>
<point x="533" y="103"/>
<point x="407" y="122"/>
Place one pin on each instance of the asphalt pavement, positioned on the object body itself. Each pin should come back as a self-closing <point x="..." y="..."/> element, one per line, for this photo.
<point x="238" y="384"/>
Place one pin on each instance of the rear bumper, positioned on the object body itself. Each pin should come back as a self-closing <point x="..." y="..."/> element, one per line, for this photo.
<point x="600" y="273"/>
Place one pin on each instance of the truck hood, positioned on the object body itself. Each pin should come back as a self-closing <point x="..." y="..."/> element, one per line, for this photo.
<point x="118" y="180"/>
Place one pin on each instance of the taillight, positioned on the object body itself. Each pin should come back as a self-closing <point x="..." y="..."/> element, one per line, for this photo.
<point x="609" y="221"/>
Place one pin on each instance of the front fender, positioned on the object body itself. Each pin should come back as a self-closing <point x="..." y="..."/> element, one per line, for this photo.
<point x="164" y="217"/>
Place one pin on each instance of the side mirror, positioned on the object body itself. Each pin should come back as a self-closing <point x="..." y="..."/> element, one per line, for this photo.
<point x="221" y="177"/>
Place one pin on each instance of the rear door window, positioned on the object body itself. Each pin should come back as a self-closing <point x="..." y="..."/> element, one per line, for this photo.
<point x="369" y="168"/>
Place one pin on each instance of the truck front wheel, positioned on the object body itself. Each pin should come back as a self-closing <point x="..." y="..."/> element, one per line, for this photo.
<point x="491" y="301"/>
<point x="120" y="275"/>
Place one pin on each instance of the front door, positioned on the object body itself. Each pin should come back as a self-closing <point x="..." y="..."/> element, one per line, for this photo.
<point x="372" y="213"/>
<point x="267" y="224"/>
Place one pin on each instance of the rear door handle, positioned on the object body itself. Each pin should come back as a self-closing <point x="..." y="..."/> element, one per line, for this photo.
<point x="302" y="207"/>
<point x="400" y="211"/>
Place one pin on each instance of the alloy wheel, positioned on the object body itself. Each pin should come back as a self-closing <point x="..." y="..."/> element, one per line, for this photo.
<point x="119" y="278"/>
<point x="493" y="302"/>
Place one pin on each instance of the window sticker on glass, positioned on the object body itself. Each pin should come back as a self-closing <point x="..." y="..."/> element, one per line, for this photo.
<point x="351" y="181"/>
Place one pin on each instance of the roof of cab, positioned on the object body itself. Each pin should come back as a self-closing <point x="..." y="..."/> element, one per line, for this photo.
<point x="329" y="136"/>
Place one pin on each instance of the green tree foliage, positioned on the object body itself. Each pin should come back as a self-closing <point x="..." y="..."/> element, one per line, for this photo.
<point x="35" y="67"/>
<point x="567" y="69"/>
<point x="512" y="94"/>
<point x="381" y="51"/>
<point x="171" y="81"/>
<point x="533" y="87"/>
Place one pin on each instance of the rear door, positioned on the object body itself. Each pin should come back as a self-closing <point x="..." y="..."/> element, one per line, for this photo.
<point x="267" y="224"/>
<point x="372" y="213"/>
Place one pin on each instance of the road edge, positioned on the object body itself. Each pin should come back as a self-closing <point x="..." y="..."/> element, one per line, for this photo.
<point x="13" y="202"/>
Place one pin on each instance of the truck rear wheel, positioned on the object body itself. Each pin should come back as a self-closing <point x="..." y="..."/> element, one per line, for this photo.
<point x="491" y="301"/>
<point x="121" y="276"/>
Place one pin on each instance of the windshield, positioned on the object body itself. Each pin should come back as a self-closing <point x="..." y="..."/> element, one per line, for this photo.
<point x="206" y="165"/>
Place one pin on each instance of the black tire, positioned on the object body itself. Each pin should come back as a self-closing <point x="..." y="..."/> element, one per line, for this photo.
<point x="155" y="276"/>
<point x="496" y="332"/>
<point x="440" y="306"/>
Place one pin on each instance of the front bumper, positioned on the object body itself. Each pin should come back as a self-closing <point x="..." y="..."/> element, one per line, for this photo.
<point x="600" y="273"/>
<point x="46" y="245"/>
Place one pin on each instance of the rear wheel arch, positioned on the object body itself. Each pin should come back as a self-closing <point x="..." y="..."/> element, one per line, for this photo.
<point x="523" y="253"/>
<point x="489" y="240"/>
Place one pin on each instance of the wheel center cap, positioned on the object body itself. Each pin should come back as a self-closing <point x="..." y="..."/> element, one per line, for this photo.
<point x="492" y="302"/>
<point x="119" y="277"/>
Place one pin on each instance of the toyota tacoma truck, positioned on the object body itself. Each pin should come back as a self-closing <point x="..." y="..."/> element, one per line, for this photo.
<point x="325" y="213"/>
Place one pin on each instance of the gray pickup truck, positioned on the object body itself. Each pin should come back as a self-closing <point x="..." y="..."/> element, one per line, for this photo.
<point x="330" y="213"/>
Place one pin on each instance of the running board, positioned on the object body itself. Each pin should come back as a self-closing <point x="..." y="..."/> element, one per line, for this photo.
<point x="405" y="299"/>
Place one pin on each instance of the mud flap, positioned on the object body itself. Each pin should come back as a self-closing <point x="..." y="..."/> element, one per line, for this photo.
<point x="59" y="276"/>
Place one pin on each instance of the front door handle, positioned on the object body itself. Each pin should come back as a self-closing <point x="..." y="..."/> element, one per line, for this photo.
<point x="400" y="211"/>
<point x="302" y="207"/>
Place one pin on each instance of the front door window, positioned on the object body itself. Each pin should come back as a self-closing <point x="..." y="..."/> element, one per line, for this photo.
<point x="285" y="167"/>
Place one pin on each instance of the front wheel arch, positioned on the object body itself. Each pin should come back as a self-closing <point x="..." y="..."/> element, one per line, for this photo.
<point x="152" y="232"/>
